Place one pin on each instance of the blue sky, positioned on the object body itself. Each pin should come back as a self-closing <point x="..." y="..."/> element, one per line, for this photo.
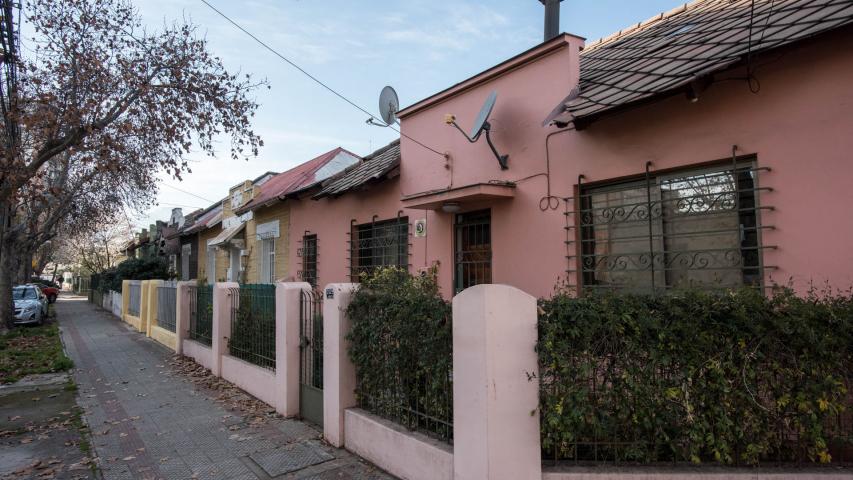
<point x="357" y="47"/>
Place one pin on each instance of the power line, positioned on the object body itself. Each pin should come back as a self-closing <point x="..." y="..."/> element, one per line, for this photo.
<point x="189" y="193"/>
<point x="317" y="80"/>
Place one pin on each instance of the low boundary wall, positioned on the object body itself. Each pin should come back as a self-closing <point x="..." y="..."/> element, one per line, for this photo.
<point x="202" y="354"/>
<point x="257" y="381"/>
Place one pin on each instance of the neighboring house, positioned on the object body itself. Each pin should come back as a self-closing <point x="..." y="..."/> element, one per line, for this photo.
<point x="708" y="146"/>
<point x="267" y="225"/>
<point x="202" y="263"/>
<point x="230" y="246"/>
<point x="351" y="222"/>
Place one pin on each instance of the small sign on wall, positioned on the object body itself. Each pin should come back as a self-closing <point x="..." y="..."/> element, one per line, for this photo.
<point x="420" y="227"/>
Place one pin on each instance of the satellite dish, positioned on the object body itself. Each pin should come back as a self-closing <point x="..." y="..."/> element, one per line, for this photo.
<point x="389" y="104"/>
<point x="482" y="125"/>
<point x="483" y="116"/>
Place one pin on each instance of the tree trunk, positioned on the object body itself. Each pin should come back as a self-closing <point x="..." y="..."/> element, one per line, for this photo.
<point x="6" y="305"/>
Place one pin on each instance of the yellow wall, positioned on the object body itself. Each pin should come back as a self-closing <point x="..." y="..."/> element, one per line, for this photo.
<point x="221" y="256"/>
<point x="278" y="211"/>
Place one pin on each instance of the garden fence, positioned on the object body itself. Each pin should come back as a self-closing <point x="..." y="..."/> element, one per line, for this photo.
<point x="201" y="314"/>
<point x="135" y="299"/>
<point x="167" y="305"/>
<point x="253" y="324"/>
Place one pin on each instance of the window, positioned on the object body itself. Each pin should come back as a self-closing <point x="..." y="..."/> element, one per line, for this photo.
<point x="211" y="265"/>
<point x="267" y="259"/>
<point x="309" y="259"/>
<point x="696" y="228"/>
<point x="379" y="244"/>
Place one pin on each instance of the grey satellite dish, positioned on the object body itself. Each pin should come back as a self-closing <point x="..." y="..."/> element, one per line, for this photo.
<point x="481" y="124"/>
<point x="389" y="104"/>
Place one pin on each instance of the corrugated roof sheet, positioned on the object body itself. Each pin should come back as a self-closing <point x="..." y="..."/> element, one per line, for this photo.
<point x="302" y="176"/>
<point x="374" y="166"/>
<point x="205" y="220"/>
<point x="667" y="52"/>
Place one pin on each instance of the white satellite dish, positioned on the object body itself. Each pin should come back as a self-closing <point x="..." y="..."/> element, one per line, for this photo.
<point x="389" y="105"/>
<point x="481" y="124"/>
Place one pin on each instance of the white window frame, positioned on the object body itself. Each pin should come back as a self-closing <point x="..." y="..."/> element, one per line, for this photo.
<point x="266" y="269"/>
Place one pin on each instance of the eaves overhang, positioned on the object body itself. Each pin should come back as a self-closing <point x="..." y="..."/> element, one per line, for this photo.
<point x="478" y="192"/>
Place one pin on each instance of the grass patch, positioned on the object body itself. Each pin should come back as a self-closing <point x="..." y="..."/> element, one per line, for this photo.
<point x="31" y="350"/>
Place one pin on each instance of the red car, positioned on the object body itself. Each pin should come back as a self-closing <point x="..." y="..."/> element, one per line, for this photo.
<point x="50" y="292"/>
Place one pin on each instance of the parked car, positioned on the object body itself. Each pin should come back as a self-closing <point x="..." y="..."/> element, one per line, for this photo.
<point x="30" y="304"/>
<point x="50" y="292"/>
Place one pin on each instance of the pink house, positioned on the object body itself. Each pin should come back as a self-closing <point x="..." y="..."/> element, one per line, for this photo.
<point x="708" y="146"/>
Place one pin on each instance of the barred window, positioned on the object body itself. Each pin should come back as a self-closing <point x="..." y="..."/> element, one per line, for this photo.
<point x="309" y="259"/>
<point x="695" y="228"/>
<point x="379" y="244"/>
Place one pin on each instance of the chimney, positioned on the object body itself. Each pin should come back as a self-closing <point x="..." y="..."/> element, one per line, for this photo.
<point x="552" y="18"/>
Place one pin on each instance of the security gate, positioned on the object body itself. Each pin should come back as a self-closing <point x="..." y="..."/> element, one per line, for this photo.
<point x="473" y="249"/>
<point x="311" y="357"/>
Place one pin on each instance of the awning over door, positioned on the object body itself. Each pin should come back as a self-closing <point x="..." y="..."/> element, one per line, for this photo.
<point x="226" y="235"/>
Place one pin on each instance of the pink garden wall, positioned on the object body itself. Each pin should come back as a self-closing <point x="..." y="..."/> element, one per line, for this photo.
<point x="799" y="125"/>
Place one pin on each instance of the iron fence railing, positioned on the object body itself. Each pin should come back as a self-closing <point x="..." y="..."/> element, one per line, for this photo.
<point x="253" y="324"/>
<point x="134" y="299"/>
<point x="167" y="305"/>
<point x="201" y="314"/>
<point x="311" y="339"/>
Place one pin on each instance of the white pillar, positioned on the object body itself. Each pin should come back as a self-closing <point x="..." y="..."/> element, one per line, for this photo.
<point x="338" y="370"/>
<point x="222" y="298"/>
<point x="287" y="317"/>
<point x="495" y="437"/>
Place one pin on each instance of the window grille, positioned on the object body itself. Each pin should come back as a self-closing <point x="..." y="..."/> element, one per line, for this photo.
<point x="473" y="249"/>
<point x="695" y="228"/>
<point x="379" y="244"/>
<point x="267" y="260"/>
<point x="308" y="252"/>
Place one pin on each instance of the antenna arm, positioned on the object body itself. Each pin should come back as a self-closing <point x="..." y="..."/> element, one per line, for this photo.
<point x="472" y="140"/>
<point x="502" y="159"/>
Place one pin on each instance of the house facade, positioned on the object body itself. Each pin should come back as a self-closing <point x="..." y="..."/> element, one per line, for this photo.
<point x="673" y="158"/>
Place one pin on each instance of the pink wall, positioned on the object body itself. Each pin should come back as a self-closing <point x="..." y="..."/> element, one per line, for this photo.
<point x="799" y="125"/>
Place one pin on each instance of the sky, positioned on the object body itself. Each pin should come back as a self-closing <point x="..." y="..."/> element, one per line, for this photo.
<point x="419" y="47"/>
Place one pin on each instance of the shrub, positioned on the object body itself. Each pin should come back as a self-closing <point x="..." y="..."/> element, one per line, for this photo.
<point x="134" y="269"/>
<point x="401" y="346"/>
<point x="731" y="378"/>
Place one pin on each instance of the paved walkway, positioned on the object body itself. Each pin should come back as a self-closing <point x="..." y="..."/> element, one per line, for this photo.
<point x="150" y="422"/>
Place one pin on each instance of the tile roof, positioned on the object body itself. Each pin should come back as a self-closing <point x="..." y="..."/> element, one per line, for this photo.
<point x="205" y="220"/>
<point x="668" y="52"/>
<point x="302" y="176"/>
<point x="374" y="166"/>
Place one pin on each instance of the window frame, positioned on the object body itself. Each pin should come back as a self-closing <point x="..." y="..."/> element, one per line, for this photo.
<point x="356" y="245"/>
<point x="654" y="179"/>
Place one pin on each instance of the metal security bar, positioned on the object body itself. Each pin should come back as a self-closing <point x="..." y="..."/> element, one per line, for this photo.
<point x="253" y="324"/>
<point x="311" y="356"/>
<point x="167" y="305"/>
<point x="308" y="252"/>
<point x="379" y="244"/>
<point x="697" y="228"/>
<point x="473" y="249"/>
<point x="201" y="314"/>
<point x="134" y="299"/>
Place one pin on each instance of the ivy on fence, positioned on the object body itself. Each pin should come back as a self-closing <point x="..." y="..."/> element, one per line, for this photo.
<point x="401" y="346"/>
<point x="734" y="378"/>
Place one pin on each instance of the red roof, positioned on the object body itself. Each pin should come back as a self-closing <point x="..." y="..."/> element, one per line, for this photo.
<point x="295" y="179"/>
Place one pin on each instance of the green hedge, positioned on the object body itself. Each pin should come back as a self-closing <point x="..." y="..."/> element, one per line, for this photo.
<point x="401" y="346"/>
<point x="133" y="269"/>
<point x="734" y="378"/>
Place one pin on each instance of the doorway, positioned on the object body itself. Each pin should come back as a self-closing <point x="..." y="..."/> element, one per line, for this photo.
<point x="472" y="249"/>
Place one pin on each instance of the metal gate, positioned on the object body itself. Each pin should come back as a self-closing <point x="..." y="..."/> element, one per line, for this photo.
<point x="311" y="357"/>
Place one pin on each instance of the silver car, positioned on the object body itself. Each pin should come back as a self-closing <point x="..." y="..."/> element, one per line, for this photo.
<point x="30" y="305"/>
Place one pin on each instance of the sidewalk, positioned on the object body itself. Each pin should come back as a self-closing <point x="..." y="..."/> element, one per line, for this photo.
<point x="150" y="422"/>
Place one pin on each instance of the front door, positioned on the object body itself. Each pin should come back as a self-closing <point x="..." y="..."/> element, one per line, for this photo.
<point x="311" y="357"/>
<point x="473" y="249"/>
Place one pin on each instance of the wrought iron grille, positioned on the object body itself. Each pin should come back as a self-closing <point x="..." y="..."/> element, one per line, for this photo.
<point x="167" y="306"/>
<point x="473" y="245"/>
<point x="253" y="324"/>
<point x="308" y="252"/>
<point x="311" y="339"/>
<point x="134" y="299"/>
<point x="697" y="228"/>
<point x="201" y="314"/>
<point x="379" y="244"/>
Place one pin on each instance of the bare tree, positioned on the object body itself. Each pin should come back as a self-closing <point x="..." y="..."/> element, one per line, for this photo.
<point x="101" y="105"/>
